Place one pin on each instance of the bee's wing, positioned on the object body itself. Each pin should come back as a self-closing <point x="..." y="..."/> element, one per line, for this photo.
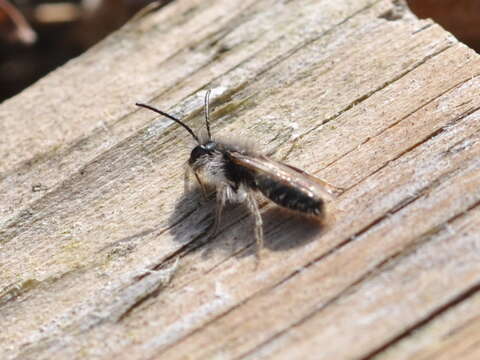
<point x="286" y="174"/>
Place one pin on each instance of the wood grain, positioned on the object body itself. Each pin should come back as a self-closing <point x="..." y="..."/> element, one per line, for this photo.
<point x="362" y="94"/>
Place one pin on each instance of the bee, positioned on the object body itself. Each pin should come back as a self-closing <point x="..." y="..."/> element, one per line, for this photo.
<point x="239" y="173"/>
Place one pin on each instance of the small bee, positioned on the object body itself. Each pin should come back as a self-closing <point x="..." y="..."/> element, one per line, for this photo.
<point x="238" y="173"/>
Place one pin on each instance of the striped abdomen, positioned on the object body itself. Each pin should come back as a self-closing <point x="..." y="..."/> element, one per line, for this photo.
<point x="290" y="197"/>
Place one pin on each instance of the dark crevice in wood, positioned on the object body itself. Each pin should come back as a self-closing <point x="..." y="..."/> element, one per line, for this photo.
<point x="423" y="28"/>
<point x="151" y="293"/>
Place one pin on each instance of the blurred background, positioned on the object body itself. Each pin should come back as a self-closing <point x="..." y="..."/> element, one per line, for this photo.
<point x="36" y="36"/>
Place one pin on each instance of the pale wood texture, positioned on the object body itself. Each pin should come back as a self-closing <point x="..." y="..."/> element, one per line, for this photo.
<point x="360" y="93"/>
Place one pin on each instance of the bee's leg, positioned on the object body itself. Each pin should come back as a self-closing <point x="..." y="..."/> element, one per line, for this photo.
<point x="186" y="181"/>
<point x="253" y="207"/>
<point x="202" y="186"/>
<point x="221" y="200"/>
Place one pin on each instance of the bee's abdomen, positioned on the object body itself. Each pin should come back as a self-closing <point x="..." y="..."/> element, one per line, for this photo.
<point x="289" y="196"/>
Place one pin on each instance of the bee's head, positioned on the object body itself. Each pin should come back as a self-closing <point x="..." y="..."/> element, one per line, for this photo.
<point x="205" y="148"/>
<point x="201" y="153"/>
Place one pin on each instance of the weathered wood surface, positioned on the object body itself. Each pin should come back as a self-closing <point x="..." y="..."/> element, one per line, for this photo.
<point x="360" y="93"/>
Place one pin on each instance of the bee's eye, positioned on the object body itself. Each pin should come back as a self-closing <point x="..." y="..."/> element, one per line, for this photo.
<point x="209" y="146"/>
<point x="198" y="152"/>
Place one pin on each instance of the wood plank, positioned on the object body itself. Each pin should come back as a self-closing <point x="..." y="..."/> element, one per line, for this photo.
<point x="383" y="106"/>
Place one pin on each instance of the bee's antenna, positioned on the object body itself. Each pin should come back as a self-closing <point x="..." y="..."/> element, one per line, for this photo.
<point x="207" y="112"/>
<point x="171" y="118"/>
